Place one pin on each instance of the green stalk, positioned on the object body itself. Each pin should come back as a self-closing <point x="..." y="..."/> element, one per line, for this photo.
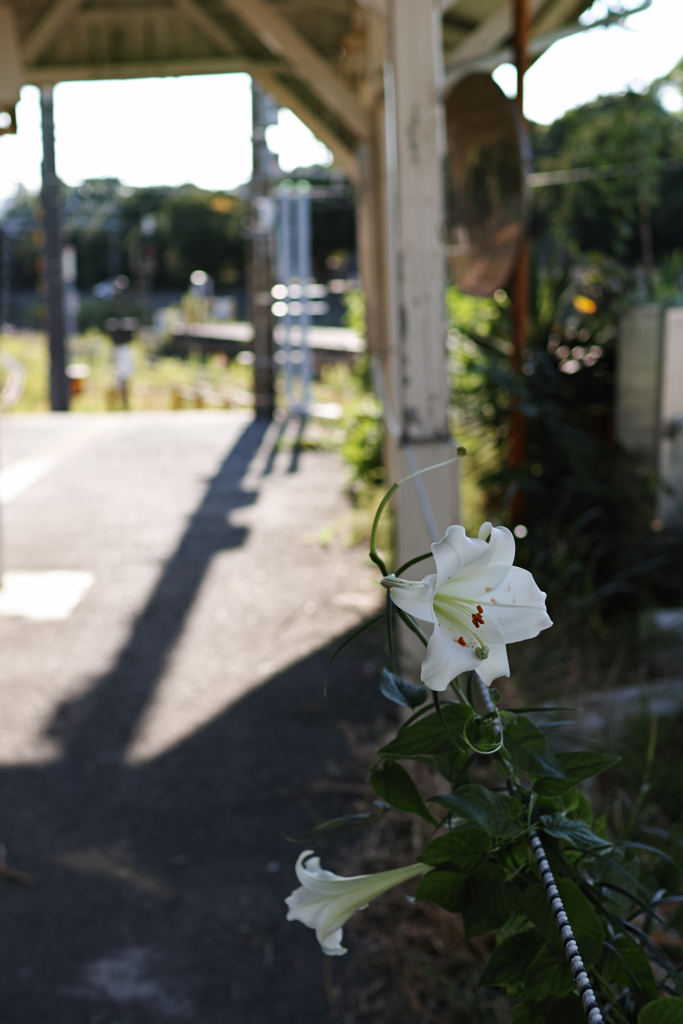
<point x="375" y="523"/>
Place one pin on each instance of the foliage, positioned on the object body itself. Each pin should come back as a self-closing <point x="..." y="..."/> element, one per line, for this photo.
<point x="585" y="508"/>
<point x="32" y="352"/>
<point x="611" y="214"/>
<point x="195" y="230"/>
<point x="501" y="784"/>
<point x="362" y="445"/>
<point x="354" y="316"/>
<point x="157" y="382"/>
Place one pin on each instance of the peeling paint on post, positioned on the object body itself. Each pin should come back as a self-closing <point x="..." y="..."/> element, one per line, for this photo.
<point x="417" y="363"/>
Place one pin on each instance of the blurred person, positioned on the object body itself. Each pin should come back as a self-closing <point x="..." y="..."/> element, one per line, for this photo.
<point x="121" y="333"/>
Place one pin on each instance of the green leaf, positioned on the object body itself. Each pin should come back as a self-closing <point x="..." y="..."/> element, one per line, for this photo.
<point x="400" y="691"/>
<point x="496" y="813"/>
<point x="565" y="1011"/>
<point x="574" y="830"/>
<point x="428" y="736"/>
<point x="393" y="783"/>
<point x="488" y="901"/>
<point x="548" y="975"/>
<point x="452" y="765"/>
<point x="662" y="1011"/>
<point x="443" y="888"/>
<point x="627" y="964"/>
<point x="337" y="824"/>
<point x="528" y="750"/>
<point x="586" y="925"/>
<point x="511" y="959"/>
<point x="582" y="808"/>
<point x="600" y="826"/>
<point x="577" y="767"/>
<point x="464" y="848"/>
<point x="527" y="1013"/>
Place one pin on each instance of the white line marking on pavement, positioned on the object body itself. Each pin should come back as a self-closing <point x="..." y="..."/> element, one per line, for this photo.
<point x="22" y="474"/>
<point x="43" y="596"/>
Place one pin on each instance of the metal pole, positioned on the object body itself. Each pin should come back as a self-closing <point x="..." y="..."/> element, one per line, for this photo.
<point x="588" y="1001"/>
<point x="262" y="216"/>
<point x="304" y="273"/>
<point x="520" y="281"/>
<point x="59" y="392"/>
<point x="285" y="270"/>
<point x="5" y="242"/>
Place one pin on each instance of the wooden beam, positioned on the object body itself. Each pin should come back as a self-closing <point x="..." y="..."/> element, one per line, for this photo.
<point x="378" y="7"/>
<point x="122" y="15"/>
<point x="490" y="34"/>
<point x="342" y="154"/>
<point x="208" y="25"/>
<point x="50" y="74"/>
<point x="279" y="36"/>
<point x="46" y="29"/>
<point x="558" y="14"/>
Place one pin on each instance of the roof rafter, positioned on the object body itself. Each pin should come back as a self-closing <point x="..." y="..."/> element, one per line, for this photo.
<point x="490" y="33"/>
<point x="46" y="29"/>
<point x="280" y="37"/>
<point x="208" y="25"/>
<point x="285" y="96"/>
<point x="51" y="74"/>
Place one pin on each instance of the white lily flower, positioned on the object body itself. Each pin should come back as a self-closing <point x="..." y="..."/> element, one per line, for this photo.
<point x="478" y="602"/>
<point x="326" y="901"/>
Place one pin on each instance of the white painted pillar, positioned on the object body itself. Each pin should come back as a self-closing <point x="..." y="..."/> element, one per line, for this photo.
<point x="415" y="361"/>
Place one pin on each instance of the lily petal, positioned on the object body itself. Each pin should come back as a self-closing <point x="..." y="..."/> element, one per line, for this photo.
<point x="416" y="600"/>
<point x="455" y="552"/>
<point x="326" y="901"/>
<point x="476" y="582"/>
<point x="517" y="607"/>
<point x="502" y="545"/>
<point x="445" y="660"/>
<point x="495" y="666"/>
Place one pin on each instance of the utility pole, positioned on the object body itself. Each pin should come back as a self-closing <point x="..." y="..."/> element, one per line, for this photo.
<point x="59" y="394"/>
<point x="520" y="281"/>
<point x="262" y="221"/>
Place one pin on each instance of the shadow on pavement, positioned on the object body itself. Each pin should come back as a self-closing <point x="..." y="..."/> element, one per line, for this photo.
<point x="160" y="885"/>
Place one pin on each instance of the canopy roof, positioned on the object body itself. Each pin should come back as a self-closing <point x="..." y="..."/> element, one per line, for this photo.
<point x="313" y="55"/>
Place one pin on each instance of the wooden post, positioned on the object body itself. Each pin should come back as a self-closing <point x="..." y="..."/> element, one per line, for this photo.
<point x="262" y="221"/>
<point x="416" y="363"/>
<point x="59" y="393"/>
<point x="520" y="281"/>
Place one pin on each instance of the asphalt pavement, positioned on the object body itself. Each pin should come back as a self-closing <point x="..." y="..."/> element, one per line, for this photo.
<point x="159" y="743"/>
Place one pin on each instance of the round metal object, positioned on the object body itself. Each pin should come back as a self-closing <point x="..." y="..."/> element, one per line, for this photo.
<point x="488" y="161"/>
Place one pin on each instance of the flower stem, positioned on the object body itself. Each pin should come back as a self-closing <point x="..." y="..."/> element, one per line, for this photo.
<point x="439" y="711"/>
<point x="411" y="624"/>
<point x="390" y="633"/>
<point x="413" y="561"/>
<point x="373" y="536"/>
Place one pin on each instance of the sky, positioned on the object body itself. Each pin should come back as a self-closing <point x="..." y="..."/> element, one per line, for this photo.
<point x="170" y="131"/>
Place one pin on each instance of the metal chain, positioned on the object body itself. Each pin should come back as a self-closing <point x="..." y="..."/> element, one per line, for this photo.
<point x="588" y="1000"/>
